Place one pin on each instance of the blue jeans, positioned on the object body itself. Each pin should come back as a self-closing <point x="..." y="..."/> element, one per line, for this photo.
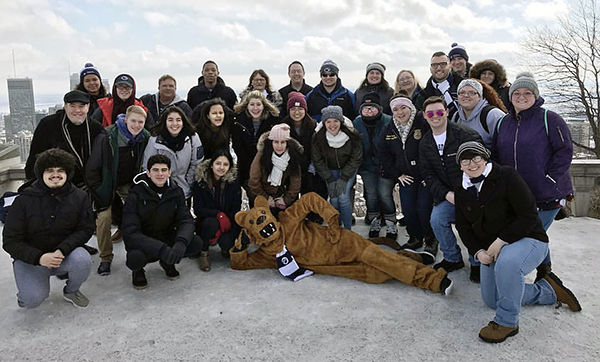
<point x="378" y="195"/>
<point x="503" y="285"/>
<point x="33" y="281"/>
<point x="416" y="207"/>
<point x="342" y="203"/>
<point x="547" y="217"/>
<point x="442" y="217"/>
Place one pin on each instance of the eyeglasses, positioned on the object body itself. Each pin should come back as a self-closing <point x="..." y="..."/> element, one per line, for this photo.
<point x="439" y="65"/>
<point x="517" y="94"/>
<point x="467" y="162"/>
<point x="439" y="113"/>
<point x="325" y="75"/>
<point x="259" y="80"/>
<point x="467" y="94"/>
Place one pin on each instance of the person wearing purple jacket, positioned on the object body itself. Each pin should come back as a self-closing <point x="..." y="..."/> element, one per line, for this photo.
<point x="537" y="143"/>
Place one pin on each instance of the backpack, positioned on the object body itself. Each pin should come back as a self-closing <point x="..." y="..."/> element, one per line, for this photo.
<point x="482" y="117"/>
<point x="5" y="202"/>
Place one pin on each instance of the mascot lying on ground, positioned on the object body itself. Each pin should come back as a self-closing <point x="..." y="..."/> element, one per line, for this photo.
<point x="292" y="244"/>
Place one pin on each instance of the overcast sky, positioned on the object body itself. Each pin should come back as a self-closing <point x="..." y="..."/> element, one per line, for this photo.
<point x="148" y="38"/>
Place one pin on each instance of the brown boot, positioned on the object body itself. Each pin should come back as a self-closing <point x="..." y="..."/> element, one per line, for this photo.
<point x="204" y="261"/>
<point x="495" y="333"/>
<point x="385" y="241"/>
<point x="563" y="294"/>
<point x="116" y="237"/>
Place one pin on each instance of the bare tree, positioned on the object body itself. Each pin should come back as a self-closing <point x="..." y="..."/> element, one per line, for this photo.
<point x="567" y="60"/>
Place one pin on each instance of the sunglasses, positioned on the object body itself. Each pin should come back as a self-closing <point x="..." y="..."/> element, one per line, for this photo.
<point x="327" y="75"/>
<point x="439" y="113"/>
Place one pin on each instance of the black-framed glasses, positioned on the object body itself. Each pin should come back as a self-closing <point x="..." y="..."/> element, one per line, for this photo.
<point x="467" y="162"/>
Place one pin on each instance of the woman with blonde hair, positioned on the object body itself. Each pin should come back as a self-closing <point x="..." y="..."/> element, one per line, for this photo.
<point x="407" y="82"/>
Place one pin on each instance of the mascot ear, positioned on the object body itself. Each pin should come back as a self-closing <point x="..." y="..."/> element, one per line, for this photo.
<point x="260" y="201"/>
<point x="240" y="217"/>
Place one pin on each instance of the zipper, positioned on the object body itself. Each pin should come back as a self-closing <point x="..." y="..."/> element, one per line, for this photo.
<point x="561" y="135"/>
<point x="515" y="143"/>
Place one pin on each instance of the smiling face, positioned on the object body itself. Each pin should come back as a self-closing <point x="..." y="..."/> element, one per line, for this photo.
<point x="174" y="123"/>
<point x="297" y="114"/>
<point x="468" y="97"/>
<point x="369" y="111"/>
<point x="259" y="82"/>
<point x="406" y="81"/>
<point x="487" y="76"/>
<point x="401" y="114"/>
<point x="216" y="115"/>
<point x="333" y="125"/>
<point x="279" y="147"/>
<point x="522" y="99"/>
<point x="54" y="177"/>
<point x="459" y="65"/>
<point x="124" y="91"/>
<point x="167" y="88"/>
<point x="440" y="68"/>
<point x="135" y="123"/>
<point x="255" y="107"/>
<point x="220" y="167"/>
<point x="374" y="77"/>
<point x="473" y="167"/>
<point x="437" y="117"/>
<point x="159" y="173"/>
<point x="77" y="112"/>
<point x="296" y="73"/>
<point x="329" y="79"/>
<point x="91" y="84"/>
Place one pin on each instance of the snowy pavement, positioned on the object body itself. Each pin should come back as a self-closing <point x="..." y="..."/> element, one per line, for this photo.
<point x="228" y="315"/>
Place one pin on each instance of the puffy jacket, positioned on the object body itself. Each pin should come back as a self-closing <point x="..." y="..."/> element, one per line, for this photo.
<point x="200" y="93"/>
<point x="42" y="220"/>
<point x="318" y="98"/>
<point x="370" y="158"/>
<point x="346" y="158"/>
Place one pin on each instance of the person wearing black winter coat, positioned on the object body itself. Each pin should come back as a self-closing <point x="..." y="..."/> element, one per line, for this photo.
<point x="442" y="83"/>
<point x="45" y="230"/>
<point x="210" y="85"/>
<point x="157" y="224"/>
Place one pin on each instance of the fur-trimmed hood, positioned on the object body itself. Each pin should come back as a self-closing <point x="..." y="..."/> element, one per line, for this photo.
<point x="292" y="143"/>
<point x="494" y="66"/>
<point x="202" y="173"/>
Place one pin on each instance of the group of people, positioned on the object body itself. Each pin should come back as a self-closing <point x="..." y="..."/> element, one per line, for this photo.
<point x="474" y="151"/>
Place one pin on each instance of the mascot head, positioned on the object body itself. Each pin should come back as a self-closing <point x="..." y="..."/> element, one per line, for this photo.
<point x="259" y="223"/>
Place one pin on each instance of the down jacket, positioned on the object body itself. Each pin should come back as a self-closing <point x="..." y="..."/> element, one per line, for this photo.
<point x="346" y="158"/>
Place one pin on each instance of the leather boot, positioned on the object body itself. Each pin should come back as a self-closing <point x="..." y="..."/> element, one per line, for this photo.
<point x="204" y="261"/>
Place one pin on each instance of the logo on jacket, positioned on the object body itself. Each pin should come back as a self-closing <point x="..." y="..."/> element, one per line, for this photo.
<point x="418" y="135"/>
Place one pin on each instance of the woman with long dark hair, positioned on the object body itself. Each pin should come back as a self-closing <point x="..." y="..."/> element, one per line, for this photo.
<point x="375" y="82"/>
<point x="213" y="121"/>
<point x="90" y="82"/>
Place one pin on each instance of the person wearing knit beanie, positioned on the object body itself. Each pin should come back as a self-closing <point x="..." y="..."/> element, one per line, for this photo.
<point x="527" y="81"/>
<point x="280" y="132"/>
<point x="376" y="66"/>
<point x="329" y="66"/>
<point x="375" y="82"/>
<point x="332" y="112"/>
<point x="296" y="99"/>
<point x="459" y="60"/>
<point x="473" y="84"/>
<point x="87" y="70"/>
<point x="470" y="149"/>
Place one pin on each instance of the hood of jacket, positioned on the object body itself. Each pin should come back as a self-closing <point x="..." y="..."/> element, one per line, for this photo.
<point x="202" y="173"/>
<point x="494" y="66"/>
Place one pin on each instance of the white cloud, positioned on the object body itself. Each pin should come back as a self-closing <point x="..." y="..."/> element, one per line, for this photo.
<point x="158" y="19"/>
<point x="547" y="10"/>
<point x="234" y="31"/>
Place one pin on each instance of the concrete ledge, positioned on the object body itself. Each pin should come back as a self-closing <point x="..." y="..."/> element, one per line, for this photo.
<point x="586" y="177"/>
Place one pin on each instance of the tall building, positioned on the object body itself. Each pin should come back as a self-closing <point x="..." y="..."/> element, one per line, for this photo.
<point x="24" y="141"/>
<point x="22" y="107"/>
<point x="74" y="80"/>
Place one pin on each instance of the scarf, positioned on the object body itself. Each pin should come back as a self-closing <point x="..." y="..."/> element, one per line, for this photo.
<point x="123" y="129"/>
<point x="444" y="88"/>
<point x="337" y="141"/>
<point x="174" y="143"/>
<point x="280" y="163"/>
<point x="473" y="185"/>
<point x="289" y="268"/>
<point x="404" y="130"/>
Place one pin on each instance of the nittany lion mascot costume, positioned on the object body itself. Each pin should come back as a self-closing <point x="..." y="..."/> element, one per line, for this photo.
<point x="294" y="244"/>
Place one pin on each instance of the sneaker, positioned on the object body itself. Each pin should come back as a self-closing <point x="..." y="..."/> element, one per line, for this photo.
<point x="563" y="294"/>
<point x="495" y="333"/>
<point x="426" y="258"/>
<point x="542" y="270"/>
<point x="76" y="298"/>
<point x="449" y="266"/>
<point x="446" y="286"/>
<point x="139" y="279"/>
<point x="375" y="228"/>
<point x="475" y="277"/>
<point x="391" y="231"/>
<point x="431" y="245"/>
<point x="104" y="268"/>
<point x="170" y="270"/>
<point x="413" y="243"/>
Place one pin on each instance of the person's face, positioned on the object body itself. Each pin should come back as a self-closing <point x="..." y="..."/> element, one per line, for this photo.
<point x="124" y="91"/>
<point x="220" y="167"/>
<point x="333" y="125"/>
<point x="473" y="167"/>
<point x="459" y="65"/>
<point x="297" y="114"/>
<point x="174" y="123"/>
<point x="406" y="81"/>
<point x="135" y="123"/>
<point x="210" y="73"/>
<point x="369" y="111"/>
<point x="436" y="115"/>
<point x="440" y="68"/>
<point x="216" y="115"/>
<point x="329" y="79"/>
<point x="487" y="76"/>
<point x="296" y="73"/>
<point x="522" y="99"/>
<point x="468" y="97"/>
<point x="279" y="146"/>
<point x="167" y="88"/>
<point x="259" y="82"/>
<point x="76" y="112"/>
<point x="401" y="114"/>
<point x="374" y="77"/>
<point x="255" y="107"/>
<point x="159" y="173"/>
<point x="91" y="84"/>
<point x="54" y="177"/>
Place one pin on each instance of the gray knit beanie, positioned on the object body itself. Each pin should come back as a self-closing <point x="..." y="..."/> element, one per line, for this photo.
<point x="329" y="66"/>
<point x="524" y="80"/>
<point x="473" y="84"/>
<point x="332" y="112"/>
<point x="376" y="66"/>
<point x="470" y="149"/>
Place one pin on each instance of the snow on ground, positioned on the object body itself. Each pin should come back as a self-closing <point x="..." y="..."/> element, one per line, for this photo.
<point x="229" y="315"/>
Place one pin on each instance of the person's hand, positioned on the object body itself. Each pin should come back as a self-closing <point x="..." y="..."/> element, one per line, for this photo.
<point x="279" y="203"/>
<point x="215" y="238"/>
<point x="450" y="197"/>
<point x="405" y="180"/>
<point x="178" y="250"/>
<point x="494" y="249"/>
<point x="484" y="258"/>
<point x="224" y="222"/>
<point x="52" y="260"/>
<point x="271" y="201"/>
<point x="166" y="255"/>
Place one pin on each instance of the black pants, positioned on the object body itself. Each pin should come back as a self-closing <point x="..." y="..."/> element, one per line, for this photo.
<point x="207" y="229"/>
<point x="137" y="259"/>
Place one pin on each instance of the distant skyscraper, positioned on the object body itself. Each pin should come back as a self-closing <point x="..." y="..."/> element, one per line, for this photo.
<point x="24" y="141"/>
<point x="22" y="107"/>
<point x="74" y="80"/>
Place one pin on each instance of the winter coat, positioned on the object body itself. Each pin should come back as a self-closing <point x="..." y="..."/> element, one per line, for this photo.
<point x="430" y="90"/>
<point x="307" y="130"/>
<point x="499" y="84"/>
<point x="474" y="121"/>
<point x="42" y="220"/>
<point x="399" y="159"/>
<point x="150" y="222"/>
<point x="103" y="165"/>
<point x="183" y="162"/>
<point x="56" y="130"/>
<point x="103" y="114"/>
<point x="285" y="91"/>
<point x="384" y="96"/>
<point x="244" y="141"/>
<point x="318" y="98"/>
<point x="151" y="101"/>
<point x="200" y="93"/>
<point x="205" y="203"/>
<point x="505" y="208"/>
<point x="540" y="151"/>
<point x="441" y="173"/>
<point x="346" y="158"/>
<point x="370" y="158"/>
<point x="290" y="181"/>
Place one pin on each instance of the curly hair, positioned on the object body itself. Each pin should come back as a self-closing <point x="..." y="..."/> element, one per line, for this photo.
<point x="268" y="106"/>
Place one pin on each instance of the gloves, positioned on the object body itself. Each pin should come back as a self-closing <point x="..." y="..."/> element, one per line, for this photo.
<point x="178" y="250"/>
<point x="224" y="222"/>
<point x="214" y="240"/>
<point x="172" y="255"/>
